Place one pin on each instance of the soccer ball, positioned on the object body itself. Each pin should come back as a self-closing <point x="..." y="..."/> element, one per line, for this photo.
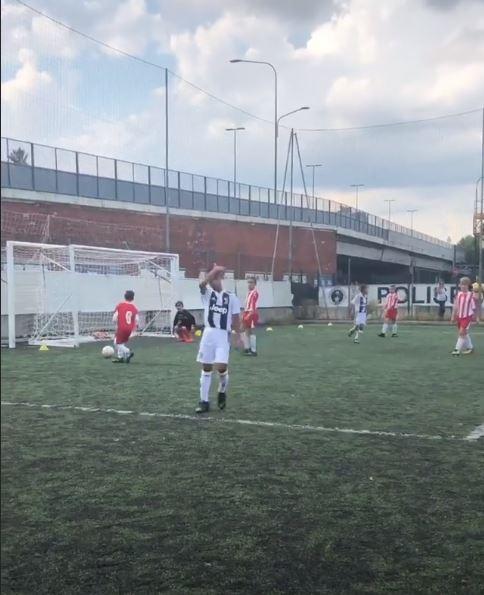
<point x="300" y="326"/>
<point x="330" y="324"/>
<point x="107" y="351"/>
<point x="198" y="333"/>
<point x="269" y="329"/>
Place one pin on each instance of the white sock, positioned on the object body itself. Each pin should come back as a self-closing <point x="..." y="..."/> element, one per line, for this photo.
<point x="460" y="344"/>
<point x="384" y="328"/>
<point x="223" y="382"/>
<point x="357" y="334"/>
<point x="122" y="350"/>
<point x="468" y="343"/>
<point x="205" y="381"/>
<point x="253" y="343"/>
<point x="394" y="329"/>
<point x="245" y="340"/>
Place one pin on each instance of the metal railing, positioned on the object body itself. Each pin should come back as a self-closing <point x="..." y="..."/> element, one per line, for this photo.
<point x="32" y="166"/>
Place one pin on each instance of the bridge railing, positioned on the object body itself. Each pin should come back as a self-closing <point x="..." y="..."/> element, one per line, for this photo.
<point x="33" y="166"/>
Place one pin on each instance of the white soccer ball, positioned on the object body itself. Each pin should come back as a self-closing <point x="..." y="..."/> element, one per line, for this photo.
<point x="330" y="324"/>
<point x="107" y="351"/>
<point x="269" y="329"/>
<point x="300" y="326"/>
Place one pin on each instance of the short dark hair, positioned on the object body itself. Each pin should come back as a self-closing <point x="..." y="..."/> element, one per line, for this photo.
<point x="129" y="295"/>
<point x="363" y="286"/>
<point x="252" y="279"/>
<point x="179" y="303"/>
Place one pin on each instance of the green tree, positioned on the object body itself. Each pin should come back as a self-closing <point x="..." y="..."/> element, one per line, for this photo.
<point x="468" y="245"/>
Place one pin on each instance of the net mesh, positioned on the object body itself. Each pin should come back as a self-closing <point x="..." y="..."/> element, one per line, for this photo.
<point x="67" y="294"/>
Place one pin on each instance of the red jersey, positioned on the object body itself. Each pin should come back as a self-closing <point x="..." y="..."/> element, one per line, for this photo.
<point x="252" y="301"/>
<point x="465" y="304"/>
<point x="391" y="302"/>
<point x="126" y="315"/>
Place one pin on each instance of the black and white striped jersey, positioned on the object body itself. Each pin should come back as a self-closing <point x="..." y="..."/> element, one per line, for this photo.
<point x="219" y="307"/>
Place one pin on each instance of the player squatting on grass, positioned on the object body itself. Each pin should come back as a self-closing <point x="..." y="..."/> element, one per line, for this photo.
<point x="126" y="318"/>
<point x="221" y="309"/>
<point x="464" y="312"/>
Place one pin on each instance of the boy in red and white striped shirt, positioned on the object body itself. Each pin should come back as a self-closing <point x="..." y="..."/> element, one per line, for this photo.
<point x="390" y="312"/>
<point x="464" y="313"/>
<point x="250" y="318"/>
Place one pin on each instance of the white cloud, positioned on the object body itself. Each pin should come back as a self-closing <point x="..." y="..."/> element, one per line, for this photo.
<point x="363" y="61"/>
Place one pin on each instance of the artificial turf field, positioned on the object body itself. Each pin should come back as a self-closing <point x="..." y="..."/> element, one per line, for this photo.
<point x="117" y="502"/>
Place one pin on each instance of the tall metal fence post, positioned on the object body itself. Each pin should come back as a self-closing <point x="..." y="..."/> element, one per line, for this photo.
<point x="97" y="176"/>
<point x="32" y="160"/>
<point x="8" y="167"/>
<point x="56" y="171"/>
<point x="116" y="179"/>
<point x="149" y="184"/>
<point x="77" y="173"/>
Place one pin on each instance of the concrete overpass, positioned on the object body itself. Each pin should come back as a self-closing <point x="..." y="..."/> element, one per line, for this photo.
<point x="52" y="175"/>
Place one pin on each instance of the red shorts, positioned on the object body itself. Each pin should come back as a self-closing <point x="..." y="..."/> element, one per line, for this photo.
<point x="250" y="319"/>
<point x="463" y="324"/>
<point x="391" y="314"/>
<point x="123" y="335"/>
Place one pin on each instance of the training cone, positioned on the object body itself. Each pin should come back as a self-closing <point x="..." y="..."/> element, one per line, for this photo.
<point x="43" y="347"/>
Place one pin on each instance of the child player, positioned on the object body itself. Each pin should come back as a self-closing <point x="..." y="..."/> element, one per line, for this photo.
<point x="464" y="313"/>
<point x="183" y="324"/>
<point x="220" y="309"/>
<point x="126" y="319"/>
<point x="250" y="318"/>
<point x="360" y="308"/>
<point x="390" y="313"/>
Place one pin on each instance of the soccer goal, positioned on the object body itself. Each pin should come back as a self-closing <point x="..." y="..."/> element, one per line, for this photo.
<point x="66" y="295"/>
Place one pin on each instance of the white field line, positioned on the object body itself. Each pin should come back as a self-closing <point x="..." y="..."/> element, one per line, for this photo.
<point x="245" y="422"/>
<point x="476" y="433"/>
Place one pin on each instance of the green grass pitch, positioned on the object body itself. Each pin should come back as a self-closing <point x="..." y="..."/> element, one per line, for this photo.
<point x="105" y="502"/>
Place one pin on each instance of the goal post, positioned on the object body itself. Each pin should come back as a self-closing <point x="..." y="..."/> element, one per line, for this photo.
<point x="65" y="295"/>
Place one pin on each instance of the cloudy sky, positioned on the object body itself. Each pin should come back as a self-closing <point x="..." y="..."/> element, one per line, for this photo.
<point x="353" y="62"/>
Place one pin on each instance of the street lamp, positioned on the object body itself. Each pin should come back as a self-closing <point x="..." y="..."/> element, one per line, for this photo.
<point x="236" y="61"/>
<point x="314" y="166"/>
<point x="357" y="186"/>
<point x="411" y="211"/>
<point x="235" y="130"/>
<point x="389" y="201"/>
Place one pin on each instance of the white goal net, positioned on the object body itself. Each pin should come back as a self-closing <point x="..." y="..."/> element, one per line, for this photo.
<point x="66" y="295"/>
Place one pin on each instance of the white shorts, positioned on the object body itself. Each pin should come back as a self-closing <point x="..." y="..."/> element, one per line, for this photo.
<point x="214" y="347"/>
<point x="360" y="319"/>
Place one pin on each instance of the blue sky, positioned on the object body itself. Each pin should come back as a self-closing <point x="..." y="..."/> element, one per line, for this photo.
<point x="354" y="63"/>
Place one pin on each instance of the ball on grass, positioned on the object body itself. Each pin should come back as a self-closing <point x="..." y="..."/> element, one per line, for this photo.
<point x="300" y="326"/>
<point x="269" y="329"/>
<point x="107" y="351"/>
<point x="330" y="324"/>
<point x="198" y="333"/>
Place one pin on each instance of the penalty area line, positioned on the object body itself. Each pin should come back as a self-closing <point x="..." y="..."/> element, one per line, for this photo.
<point x="477" y="433"/>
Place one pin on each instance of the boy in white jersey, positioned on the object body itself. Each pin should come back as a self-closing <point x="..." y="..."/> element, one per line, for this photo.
<point x="359" y="305"/>
<point x="464" y="313"/>
<point x="221" y="309"/>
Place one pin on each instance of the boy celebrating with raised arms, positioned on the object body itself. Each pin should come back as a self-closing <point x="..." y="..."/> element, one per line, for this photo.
<point x="221" y="309"/>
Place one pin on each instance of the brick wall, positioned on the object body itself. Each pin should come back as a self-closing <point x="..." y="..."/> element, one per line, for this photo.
<point x="240" y="246"/>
